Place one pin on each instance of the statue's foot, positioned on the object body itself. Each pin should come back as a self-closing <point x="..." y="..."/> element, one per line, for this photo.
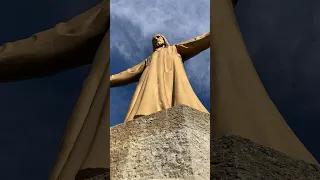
<point x="93" y="174"/>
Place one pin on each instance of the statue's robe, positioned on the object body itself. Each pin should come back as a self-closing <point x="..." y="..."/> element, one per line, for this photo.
<point x="163" y="82"/>
<point x="80" y="41"/>
<point x="239" y="103"/>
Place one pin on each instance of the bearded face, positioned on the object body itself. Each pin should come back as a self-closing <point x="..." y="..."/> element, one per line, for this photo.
<point x="157" y="41"/>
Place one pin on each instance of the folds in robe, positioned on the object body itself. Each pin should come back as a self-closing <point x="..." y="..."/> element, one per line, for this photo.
<point x="163" y="82"/>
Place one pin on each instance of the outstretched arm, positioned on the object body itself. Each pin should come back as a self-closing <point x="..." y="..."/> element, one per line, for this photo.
<point x="128" y="76"/>
<point x="67" y="45"/>
<point x="192" y="47"/>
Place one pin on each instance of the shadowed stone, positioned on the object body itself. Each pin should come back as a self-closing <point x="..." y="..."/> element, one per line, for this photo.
<point x="173" y="143"/>
<point x="237" y="158"/>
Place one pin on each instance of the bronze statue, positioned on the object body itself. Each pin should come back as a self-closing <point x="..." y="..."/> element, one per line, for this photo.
<point x="163" y="82"/>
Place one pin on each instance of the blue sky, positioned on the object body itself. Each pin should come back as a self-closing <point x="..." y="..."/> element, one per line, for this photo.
<point x="134" y="23"/>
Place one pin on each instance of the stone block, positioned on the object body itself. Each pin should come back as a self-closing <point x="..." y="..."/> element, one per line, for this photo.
<point x="237" y="158"/>
<point x="170" y="144"/>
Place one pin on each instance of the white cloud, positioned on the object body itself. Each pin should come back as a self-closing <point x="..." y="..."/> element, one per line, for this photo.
<point x="177" y="17"/>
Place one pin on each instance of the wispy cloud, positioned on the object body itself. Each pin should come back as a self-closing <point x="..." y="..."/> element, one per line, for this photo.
<point x="133" y="23"/>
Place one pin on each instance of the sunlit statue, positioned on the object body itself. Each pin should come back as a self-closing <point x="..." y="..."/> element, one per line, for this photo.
<point x="163" y="82"/>
<point x="239" y="103"/>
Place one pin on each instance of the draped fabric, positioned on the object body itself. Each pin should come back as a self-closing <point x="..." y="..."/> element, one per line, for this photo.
<point x="82" y="40"/>
<point x="239" y="103"/>
<point x="163" y="82"/>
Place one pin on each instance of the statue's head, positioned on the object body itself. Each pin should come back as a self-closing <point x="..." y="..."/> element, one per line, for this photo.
<point x="159" y="41"/>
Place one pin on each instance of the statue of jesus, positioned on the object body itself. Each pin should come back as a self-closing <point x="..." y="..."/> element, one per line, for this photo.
<point x="163" y="82"/>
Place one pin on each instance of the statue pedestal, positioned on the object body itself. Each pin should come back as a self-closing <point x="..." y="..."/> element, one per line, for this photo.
<point x="170" y="144"/>
<point x="236" y="158"/>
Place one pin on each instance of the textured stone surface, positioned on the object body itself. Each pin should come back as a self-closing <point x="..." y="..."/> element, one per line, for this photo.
<point x="236" y="158"/>
<point x="174" y="143"/>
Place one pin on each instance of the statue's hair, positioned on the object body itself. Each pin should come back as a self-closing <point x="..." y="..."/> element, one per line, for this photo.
<point x="166" y="43"/>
